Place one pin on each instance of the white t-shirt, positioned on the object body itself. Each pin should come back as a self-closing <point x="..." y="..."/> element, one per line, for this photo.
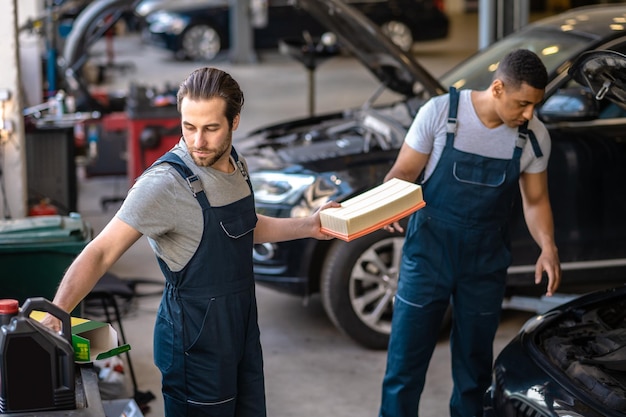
<point x="427" y="135"/>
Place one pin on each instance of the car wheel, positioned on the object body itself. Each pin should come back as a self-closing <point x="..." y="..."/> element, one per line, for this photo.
<point x="399" y="33"/>
<point x="358" y="286"/>
<point x="200" y="43"/>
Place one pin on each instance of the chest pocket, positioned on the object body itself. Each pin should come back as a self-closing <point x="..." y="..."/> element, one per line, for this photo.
<point x="484" y="174"/>
<point x="240" y="225"/>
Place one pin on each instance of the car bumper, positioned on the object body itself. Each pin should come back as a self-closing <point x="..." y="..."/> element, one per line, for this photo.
<point x="521" y="388"/>
<point x="286" y="266"/>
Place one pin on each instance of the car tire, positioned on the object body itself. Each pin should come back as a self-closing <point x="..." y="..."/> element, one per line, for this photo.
<point x="200" y="43"/>
<point x="399" y="33"/>
<point x="358" y="286"/>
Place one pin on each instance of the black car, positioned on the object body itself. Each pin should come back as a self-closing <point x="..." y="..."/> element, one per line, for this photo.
<point x="567" y="362"/>
<point x="299" y="165"/>
<point x="199" y="30"/>
<point x="572" y="359"/>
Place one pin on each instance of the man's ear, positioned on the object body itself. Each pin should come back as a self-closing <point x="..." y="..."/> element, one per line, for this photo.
<point x="497" y="88"/>
<point x="235" y="123"/>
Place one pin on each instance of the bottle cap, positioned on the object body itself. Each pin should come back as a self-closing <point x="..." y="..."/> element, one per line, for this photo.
<point x="9" y="306"/>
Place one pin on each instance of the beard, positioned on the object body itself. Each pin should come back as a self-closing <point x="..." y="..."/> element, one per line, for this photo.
<point x="215" y="153"/>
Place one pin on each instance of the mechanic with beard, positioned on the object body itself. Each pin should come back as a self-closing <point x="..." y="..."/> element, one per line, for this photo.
<point x="196" y="207"/>
<point x="472" y="149"/>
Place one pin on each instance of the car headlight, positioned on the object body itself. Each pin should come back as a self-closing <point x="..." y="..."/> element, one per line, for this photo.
<point x="304" y="192"/>
<point x="278" y="187"/>
<point x="161" y="22"/>
<point x="526" y="403"/>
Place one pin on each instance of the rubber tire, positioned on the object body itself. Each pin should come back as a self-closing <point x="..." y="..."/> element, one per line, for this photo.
<point x="336" y="282"/>
<point x="194" y="53"/>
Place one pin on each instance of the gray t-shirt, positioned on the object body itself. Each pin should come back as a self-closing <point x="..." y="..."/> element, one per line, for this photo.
<point x="427" y="134"/>
<point x="161" y="206"/>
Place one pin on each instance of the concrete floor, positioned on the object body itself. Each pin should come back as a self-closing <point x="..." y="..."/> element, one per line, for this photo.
<point x="311" y="368"/>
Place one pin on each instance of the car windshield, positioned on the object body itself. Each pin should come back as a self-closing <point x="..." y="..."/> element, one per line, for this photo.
<point x="554" y="48"/>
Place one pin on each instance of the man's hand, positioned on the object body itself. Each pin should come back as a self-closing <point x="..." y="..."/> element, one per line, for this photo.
<point x="549" y="263"/>
<point x="51" y="322"/>
<point x="318" y="234"/>
<point x="394" y="227"/>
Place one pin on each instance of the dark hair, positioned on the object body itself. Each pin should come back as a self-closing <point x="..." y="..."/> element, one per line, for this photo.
<point x="206" y="83"/>
<point x="522" y="66"/>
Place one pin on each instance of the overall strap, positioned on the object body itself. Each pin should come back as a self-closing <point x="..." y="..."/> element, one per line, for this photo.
<point x="193" y="181"/>
<point x="524" y="133"/>
<point x="241" y="167"/>
<point x="452" y="120"/>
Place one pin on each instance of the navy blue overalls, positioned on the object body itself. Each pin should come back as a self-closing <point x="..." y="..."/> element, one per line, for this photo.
<point x="206" y="339"/>
<point x="456" y="250"/>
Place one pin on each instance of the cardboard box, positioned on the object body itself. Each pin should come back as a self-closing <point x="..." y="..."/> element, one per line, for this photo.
<point x="91" y="339"/>
<point x="94" y="340"/>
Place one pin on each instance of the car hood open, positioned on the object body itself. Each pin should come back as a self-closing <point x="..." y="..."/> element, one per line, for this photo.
<point x="360" y="36"/>
<point x="604" y="72"/>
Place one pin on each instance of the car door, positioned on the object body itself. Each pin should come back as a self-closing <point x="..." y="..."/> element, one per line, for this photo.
<point x="586" y="179"/>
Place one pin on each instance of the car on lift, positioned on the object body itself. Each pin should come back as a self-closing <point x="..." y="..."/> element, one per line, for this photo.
<point x="298" y="165"/>
<point x="200" y="29"/>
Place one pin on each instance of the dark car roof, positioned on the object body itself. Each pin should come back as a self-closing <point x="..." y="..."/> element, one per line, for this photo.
<point x="600" y="21"/>
<point x="558" y="39"/>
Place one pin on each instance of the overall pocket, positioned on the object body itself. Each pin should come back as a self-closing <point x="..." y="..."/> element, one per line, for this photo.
<point x="240" y="225"/>
<point x="480" y="174"/>
<point x="163" y="343"/>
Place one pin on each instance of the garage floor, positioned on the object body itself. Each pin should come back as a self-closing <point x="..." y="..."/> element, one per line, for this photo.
<point x="311" y="368"/>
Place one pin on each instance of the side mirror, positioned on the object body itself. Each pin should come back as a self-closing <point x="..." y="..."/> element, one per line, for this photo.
<point x="570" y="105"/>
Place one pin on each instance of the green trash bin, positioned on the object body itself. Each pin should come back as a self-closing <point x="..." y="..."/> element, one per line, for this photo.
<point x="35" y="252"/>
